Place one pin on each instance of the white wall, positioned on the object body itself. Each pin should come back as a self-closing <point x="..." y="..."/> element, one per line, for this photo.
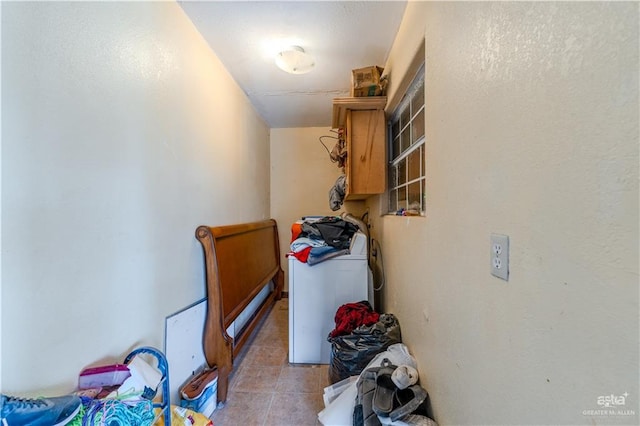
<point x="301" y="176"/>
<point x="532" y="131"/>
<point x="121" y="133"/>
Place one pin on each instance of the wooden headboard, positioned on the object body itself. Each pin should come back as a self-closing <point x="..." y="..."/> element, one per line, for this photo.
<point x="239" y="261"/>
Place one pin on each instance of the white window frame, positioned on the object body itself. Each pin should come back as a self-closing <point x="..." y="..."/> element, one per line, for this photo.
<point x="395" y="184"/>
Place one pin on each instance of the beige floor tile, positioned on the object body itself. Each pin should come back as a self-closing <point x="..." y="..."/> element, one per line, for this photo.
<point x="243" y="409"/>
<point x="291" y="409"/>
<point x="266" y="356"/>
<point x="294" y="379"/>
<point x="264" y="389"/>
<point x="255" y="379"/>
<point x="272" y="337"/>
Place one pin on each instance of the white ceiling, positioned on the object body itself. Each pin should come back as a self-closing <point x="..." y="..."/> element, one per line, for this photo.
<point x="340" y="35"/>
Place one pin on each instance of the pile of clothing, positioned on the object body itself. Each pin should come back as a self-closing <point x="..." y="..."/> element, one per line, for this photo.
<point x="359" y="335"/>
<point x="353" y="315"/>
<point x="317" y="240"/>
<point x="114" y="394"/>
<point x="386" y="392"/>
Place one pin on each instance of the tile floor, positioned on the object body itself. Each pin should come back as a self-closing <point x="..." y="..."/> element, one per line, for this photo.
<point x="264" y="389"/>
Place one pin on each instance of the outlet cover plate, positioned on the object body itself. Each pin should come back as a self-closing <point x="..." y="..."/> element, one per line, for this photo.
<point x="500" y="256"/>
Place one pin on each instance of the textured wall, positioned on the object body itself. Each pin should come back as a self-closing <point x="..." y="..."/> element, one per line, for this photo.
<point x="532" y="131"/>
<point x="121" y="133"/>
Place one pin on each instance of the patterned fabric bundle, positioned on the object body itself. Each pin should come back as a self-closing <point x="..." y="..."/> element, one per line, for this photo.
<point x="112" y="412"/>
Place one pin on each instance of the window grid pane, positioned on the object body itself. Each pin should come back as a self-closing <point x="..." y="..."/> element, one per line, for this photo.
<point x="413" y="165"/>
<point x="407" y="182"/>
<point x="402" y="197"/>
<point x="405" y="117"/>
<point x="417" y="126"/>
<point x="396" y="148"/>
<point x="405" y="139"/>
<point x="418" y="98"/>
<point x="402" y="171"/>
<point x="414" y="196"/>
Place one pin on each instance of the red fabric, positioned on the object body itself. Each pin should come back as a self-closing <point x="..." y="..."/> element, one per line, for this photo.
<point x="351" y="316"/>
<point x="301" y="255"/>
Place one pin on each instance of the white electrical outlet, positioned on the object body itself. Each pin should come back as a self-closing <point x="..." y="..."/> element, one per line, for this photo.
<point x="500" y="256"/>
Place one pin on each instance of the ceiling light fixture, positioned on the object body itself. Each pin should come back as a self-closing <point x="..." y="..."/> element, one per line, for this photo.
<point x="295" y="60"/>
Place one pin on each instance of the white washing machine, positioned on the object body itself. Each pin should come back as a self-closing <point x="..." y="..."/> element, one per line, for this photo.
<point x="315" y="294"/>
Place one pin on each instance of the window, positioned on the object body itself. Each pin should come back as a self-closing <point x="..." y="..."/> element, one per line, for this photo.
<point x="406" y="151"/>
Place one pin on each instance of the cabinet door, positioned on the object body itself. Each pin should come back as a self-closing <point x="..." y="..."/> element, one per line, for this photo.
<point x="366" y="147"/>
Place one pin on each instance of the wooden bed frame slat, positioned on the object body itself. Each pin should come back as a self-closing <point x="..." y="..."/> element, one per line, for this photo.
<point x="239" y="261"/>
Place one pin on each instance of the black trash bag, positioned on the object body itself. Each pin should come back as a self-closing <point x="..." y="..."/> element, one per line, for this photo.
<point x="351" y="353"/>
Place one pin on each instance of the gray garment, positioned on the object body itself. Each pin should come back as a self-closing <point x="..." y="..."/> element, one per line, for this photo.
<point x="363" y="414"/>
<point x="336" y="193"/>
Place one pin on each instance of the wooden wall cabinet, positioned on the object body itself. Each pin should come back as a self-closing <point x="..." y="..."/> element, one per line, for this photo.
<point x="365" y="127"/>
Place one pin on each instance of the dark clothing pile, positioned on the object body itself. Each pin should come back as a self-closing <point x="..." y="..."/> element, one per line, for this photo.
<point x="335" y="231"/>
<point x="322" y="239"/>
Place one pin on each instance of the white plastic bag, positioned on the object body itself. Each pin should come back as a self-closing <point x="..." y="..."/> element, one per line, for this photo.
<point x="340" y="411"/>
<point x="333" y="391"/>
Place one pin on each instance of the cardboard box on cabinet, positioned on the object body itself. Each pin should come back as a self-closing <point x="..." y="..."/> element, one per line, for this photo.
<point x="367" y="81"/>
